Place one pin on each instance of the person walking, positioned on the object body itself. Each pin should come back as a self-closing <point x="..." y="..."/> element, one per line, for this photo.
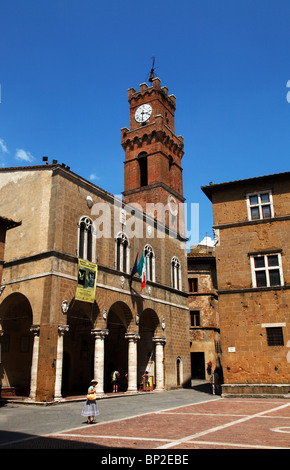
<point x="90" y="409"/>
<point x="211" y="381"/>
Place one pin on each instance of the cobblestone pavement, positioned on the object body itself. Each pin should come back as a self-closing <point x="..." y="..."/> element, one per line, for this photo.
<point x="175" y="420"/>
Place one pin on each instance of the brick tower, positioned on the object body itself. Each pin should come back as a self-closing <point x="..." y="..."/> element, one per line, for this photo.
<point x="153" y="154"/>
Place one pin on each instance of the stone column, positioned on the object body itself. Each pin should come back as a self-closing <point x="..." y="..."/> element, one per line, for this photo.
<point x="99" y="358"/>
<point x="34" y="364"/>
<point x="132" y="361"/>
<point x="159" y="379"/>
<point x="59" y="357"/>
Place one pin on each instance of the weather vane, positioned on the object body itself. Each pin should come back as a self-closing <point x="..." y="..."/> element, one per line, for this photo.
<point x="151" y="74"/>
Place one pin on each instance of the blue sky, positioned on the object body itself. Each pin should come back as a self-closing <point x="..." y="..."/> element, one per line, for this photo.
<point x="66" y="66"/>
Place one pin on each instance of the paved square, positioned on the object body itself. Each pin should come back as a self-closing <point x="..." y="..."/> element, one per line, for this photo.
<point x="226" y="423"/>
<point x="215" y="424"/>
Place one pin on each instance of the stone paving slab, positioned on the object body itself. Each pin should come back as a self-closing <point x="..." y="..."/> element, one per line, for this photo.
<point x="217" y="424"/>
<point x="154" y="426"/>
<point x="255" y="433"/>
<point x="225" y="423"/>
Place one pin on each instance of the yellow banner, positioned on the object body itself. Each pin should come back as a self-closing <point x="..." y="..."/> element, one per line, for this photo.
<point x="87" y="279"/>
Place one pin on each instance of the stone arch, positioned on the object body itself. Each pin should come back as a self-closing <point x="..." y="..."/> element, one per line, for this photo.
<point x="78" y="347"/>
<point x="119" y="320"/>
<point x="16" y="340"/>
<point x="149" y="326"/>
<point x="179" y="371"/>
<point x="123" y="311"/>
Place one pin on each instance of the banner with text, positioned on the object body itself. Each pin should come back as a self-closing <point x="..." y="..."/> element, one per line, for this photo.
<point x="87" y="279"/>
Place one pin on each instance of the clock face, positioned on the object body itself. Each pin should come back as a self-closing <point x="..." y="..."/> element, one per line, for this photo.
<point x="143" y="113"/>
<point x="172" y="205"/>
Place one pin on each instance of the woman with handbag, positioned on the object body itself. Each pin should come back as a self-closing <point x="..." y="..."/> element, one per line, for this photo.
<point x="90" y="408"/>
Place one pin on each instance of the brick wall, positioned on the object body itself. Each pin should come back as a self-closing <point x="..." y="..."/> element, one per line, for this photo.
<point x="246" y="311"/>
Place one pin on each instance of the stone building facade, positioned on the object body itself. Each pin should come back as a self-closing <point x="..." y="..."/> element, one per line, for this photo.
<point x="205" y="347"/>
<point x="52" y="345"/>
<point x="252" y="227"/>
<point x="5" y="225"/>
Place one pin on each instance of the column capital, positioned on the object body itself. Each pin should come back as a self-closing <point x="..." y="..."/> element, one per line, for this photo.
<point x="159" y="340"/>
<point x="35" y="329"/>
<point x="100" y="334"/>
<point x="132" y="337"/>
<point x="62" y="329"/>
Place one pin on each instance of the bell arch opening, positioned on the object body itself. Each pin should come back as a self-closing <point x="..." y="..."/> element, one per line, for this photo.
<point x="143" y="166"/>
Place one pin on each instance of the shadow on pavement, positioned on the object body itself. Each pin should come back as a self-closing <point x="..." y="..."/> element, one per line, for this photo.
<point x="16" y="440"/>
<point x="204" y="388"/>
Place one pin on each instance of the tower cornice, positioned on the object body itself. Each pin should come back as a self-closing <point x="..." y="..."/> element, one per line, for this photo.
<point x="157" y="131"/>
<point x="155" y="91"/>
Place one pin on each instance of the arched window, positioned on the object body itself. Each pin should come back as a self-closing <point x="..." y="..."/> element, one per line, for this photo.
<point x="122" y="253"/>
<point x="175" y="273"/>
<point x="179" y="371"/>
<point x="86" y="239"/>
<point x="150" y="262"/>
<point x="142" y="159"/>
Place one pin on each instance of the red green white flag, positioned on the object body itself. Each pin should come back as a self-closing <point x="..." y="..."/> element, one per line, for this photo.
<point x="141" y="270"/>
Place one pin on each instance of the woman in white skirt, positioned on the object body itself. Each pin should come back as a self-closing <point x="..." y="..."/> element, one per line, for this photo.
<point x="90" y="408"/>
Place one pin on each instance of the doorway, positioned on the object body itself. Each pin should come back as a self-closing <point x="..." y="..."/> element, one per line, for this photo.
<point x="116" y="349"/>
<point x="197" y="365"/>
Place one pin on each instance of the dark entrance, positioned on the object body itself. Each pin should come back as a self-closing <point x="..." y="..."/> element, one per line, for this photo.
<point x="16" y="345"/>
<point x="79" y="345"/>
<point x="197" y="365"/>
<point x="116" y="349"/>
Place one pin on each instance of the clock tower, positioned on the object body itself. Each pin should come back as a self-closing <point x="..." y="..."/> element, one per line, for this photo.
<point x="153" y="153"/>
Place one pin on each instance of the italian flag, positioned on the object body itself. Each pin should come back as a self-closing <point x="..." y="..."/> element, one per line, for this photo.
<point x="141" y="270"/>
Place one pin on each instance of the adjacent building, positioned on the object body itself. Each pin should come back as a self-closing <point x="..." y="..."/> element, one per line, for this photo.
<point x="205" y="350"/>
<point x="252" y="228"/>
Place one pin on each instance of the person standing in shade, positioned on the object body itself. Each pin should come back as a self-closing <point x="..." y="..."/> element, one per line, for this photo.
<point x="115" y="380"/>
<point x="90" y="409"/>
<point x="146" y="376"/>
<point x="217" y="381"/>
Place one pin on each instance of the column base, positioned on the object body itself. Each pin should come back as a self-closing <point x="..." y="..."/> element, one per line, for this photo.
<point x="132" y="390"/>
<point x="59" y="399"/>
<point x="100" y="394"/>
